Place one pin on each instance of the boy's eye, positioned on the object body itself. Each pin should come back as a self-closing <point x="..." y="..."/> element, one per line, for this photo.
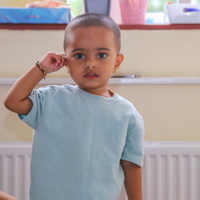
<point x="102" y="55"/>
<point x="79" y="56"/>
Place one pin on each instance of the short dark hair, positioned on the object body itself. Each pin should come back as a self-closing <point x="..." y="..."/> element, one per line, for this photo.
<point x="94" y="20"/>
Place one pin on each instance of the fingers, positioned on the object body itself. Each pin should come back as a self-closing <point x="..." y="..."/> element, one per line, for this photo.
<point x="63" y="60"/>
<point x="65" y="63"/>
<point x="52" y="62"/>
<point x="54" y="58"/>
<point x="59" y="60"/>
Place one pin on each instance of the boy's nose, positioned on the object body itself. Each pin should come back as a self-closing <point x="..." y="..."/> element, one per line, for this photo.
<point x="90" y="65"/>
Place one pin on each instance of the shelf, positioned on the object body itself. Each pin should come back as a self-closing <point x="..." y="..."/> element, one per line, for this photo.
<point x="125" y="81"/>
<point x="122" y="26"/>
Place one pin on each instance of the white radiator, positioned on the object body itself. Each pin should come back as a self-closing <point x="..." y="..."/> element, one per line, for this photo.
<point x="171" y="170"/>
<point x="15" y="169"/>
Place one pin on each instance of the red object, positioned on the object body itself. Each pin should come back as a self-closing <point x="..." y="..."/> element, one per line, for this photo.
<point x="122" y="26"/>
<point x="52" y="4"/>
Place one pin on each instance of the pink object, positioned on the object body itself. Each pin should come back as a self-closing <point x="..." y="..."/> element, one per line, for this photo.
<point x="115" y="12"/>
<point x="133" y="11"/>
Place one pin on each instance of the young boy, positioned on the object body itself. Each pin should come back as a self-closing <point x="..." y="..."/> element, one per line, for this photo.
<point x="88" y="141"/>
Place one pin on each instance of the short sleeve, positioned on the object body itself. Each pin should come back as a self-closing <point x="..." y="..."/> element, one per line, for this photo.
<point x="134" y="146"/>
<point x="34" y="116"/>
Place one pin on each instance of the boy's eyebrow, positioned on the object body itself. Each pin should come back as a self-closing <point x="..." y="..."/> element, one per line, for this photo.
<point x="99" y="49"/>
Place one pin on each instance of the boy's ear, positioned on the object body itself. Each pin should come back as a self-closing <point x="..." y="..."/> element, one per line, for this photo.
<point x="119" y="60"/>
<point x="67" y="68"/>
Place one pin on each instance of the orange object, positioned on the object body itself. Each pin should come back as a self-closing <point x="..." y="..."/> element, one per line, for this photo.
<point x="47" y="4"/>
<point x="169" y="2"/>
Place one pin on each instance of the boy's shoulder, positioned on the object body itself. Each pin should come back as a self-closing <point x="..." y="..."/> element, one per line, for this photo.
<point x="125" y="102"/>
<point x="66" y="89"/>
<point x="127" y="107"/>
<point x="56" y="88"/>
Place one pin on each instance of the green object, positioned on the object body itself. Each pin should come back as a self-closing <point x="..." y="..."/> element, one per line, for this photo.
<point x="157" y="5"/>
<point x="76" y="6"/>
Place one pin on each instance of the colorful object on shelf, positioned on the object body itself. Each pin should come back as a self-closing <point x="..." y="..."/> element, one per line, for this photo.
<point x="169" y="2"/>
<point x="183" y="13"/>
<point x="35" y="15"/>
<point x="97" y="6"/>
<point x="47" y="4"/>
<point x="191" y="10"/>
<point x="133" y="11"/>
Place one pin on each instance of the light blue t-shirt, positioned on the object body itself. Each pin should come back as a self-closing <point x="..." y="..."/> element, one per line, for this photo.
<point x="79" y="139"/>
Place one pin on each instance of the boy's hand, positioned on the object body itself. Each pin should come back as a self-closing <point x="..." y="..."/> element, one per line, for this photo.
<point x="52" y="62"/>
<point x="17" y="98"/>
<point x="5" y="196"/>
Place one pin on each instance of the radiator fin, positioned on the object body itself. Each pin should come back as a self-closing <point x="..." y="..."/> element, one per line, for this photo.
<point x="170" y="172"/>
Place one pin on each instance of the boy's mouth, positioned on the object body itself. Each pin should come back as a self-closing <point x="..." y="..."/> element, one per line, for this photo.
<point x="91" y="75"/>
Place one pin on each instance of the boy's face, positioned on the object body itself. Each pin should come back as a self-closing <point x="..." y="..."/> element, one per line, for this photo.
<point x="92" y="58"/>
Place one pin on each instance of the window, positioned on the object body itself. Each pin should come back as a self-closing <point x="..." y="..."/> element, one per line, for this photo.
<point x="76" y="6"/>
<point x="157" y="5"/>
<point x="156" y="12"/>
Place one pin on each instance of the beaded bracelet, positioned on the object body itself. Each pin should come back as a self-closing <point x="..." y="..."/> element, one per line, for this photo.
<point x="45" y="75"/>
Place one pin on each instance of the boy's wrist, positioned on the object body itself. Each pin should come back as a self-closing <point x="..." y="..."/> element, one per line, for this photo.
<point x="41" y="69"/>
<point x="39" y="74"/>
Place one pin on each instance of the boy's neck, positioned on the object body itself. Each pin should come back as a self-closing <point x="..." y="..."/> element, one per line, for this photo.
<point x="104" y="92"/>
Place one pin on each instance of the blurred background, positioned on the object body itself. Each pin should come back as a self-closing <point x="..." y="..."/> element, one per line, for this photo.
<point x="155" y="14"/>
<point x="166" y="94"/>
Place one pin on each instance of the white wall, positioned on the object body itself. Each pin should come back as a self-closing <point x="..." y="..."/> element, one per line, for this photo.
<point x="171" y="112"/>
<point x="148" y="53"/>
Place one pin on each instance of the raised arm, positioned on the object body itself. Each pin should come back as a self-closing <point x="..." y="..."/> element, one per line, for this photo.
<point x="17" y="98"/>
